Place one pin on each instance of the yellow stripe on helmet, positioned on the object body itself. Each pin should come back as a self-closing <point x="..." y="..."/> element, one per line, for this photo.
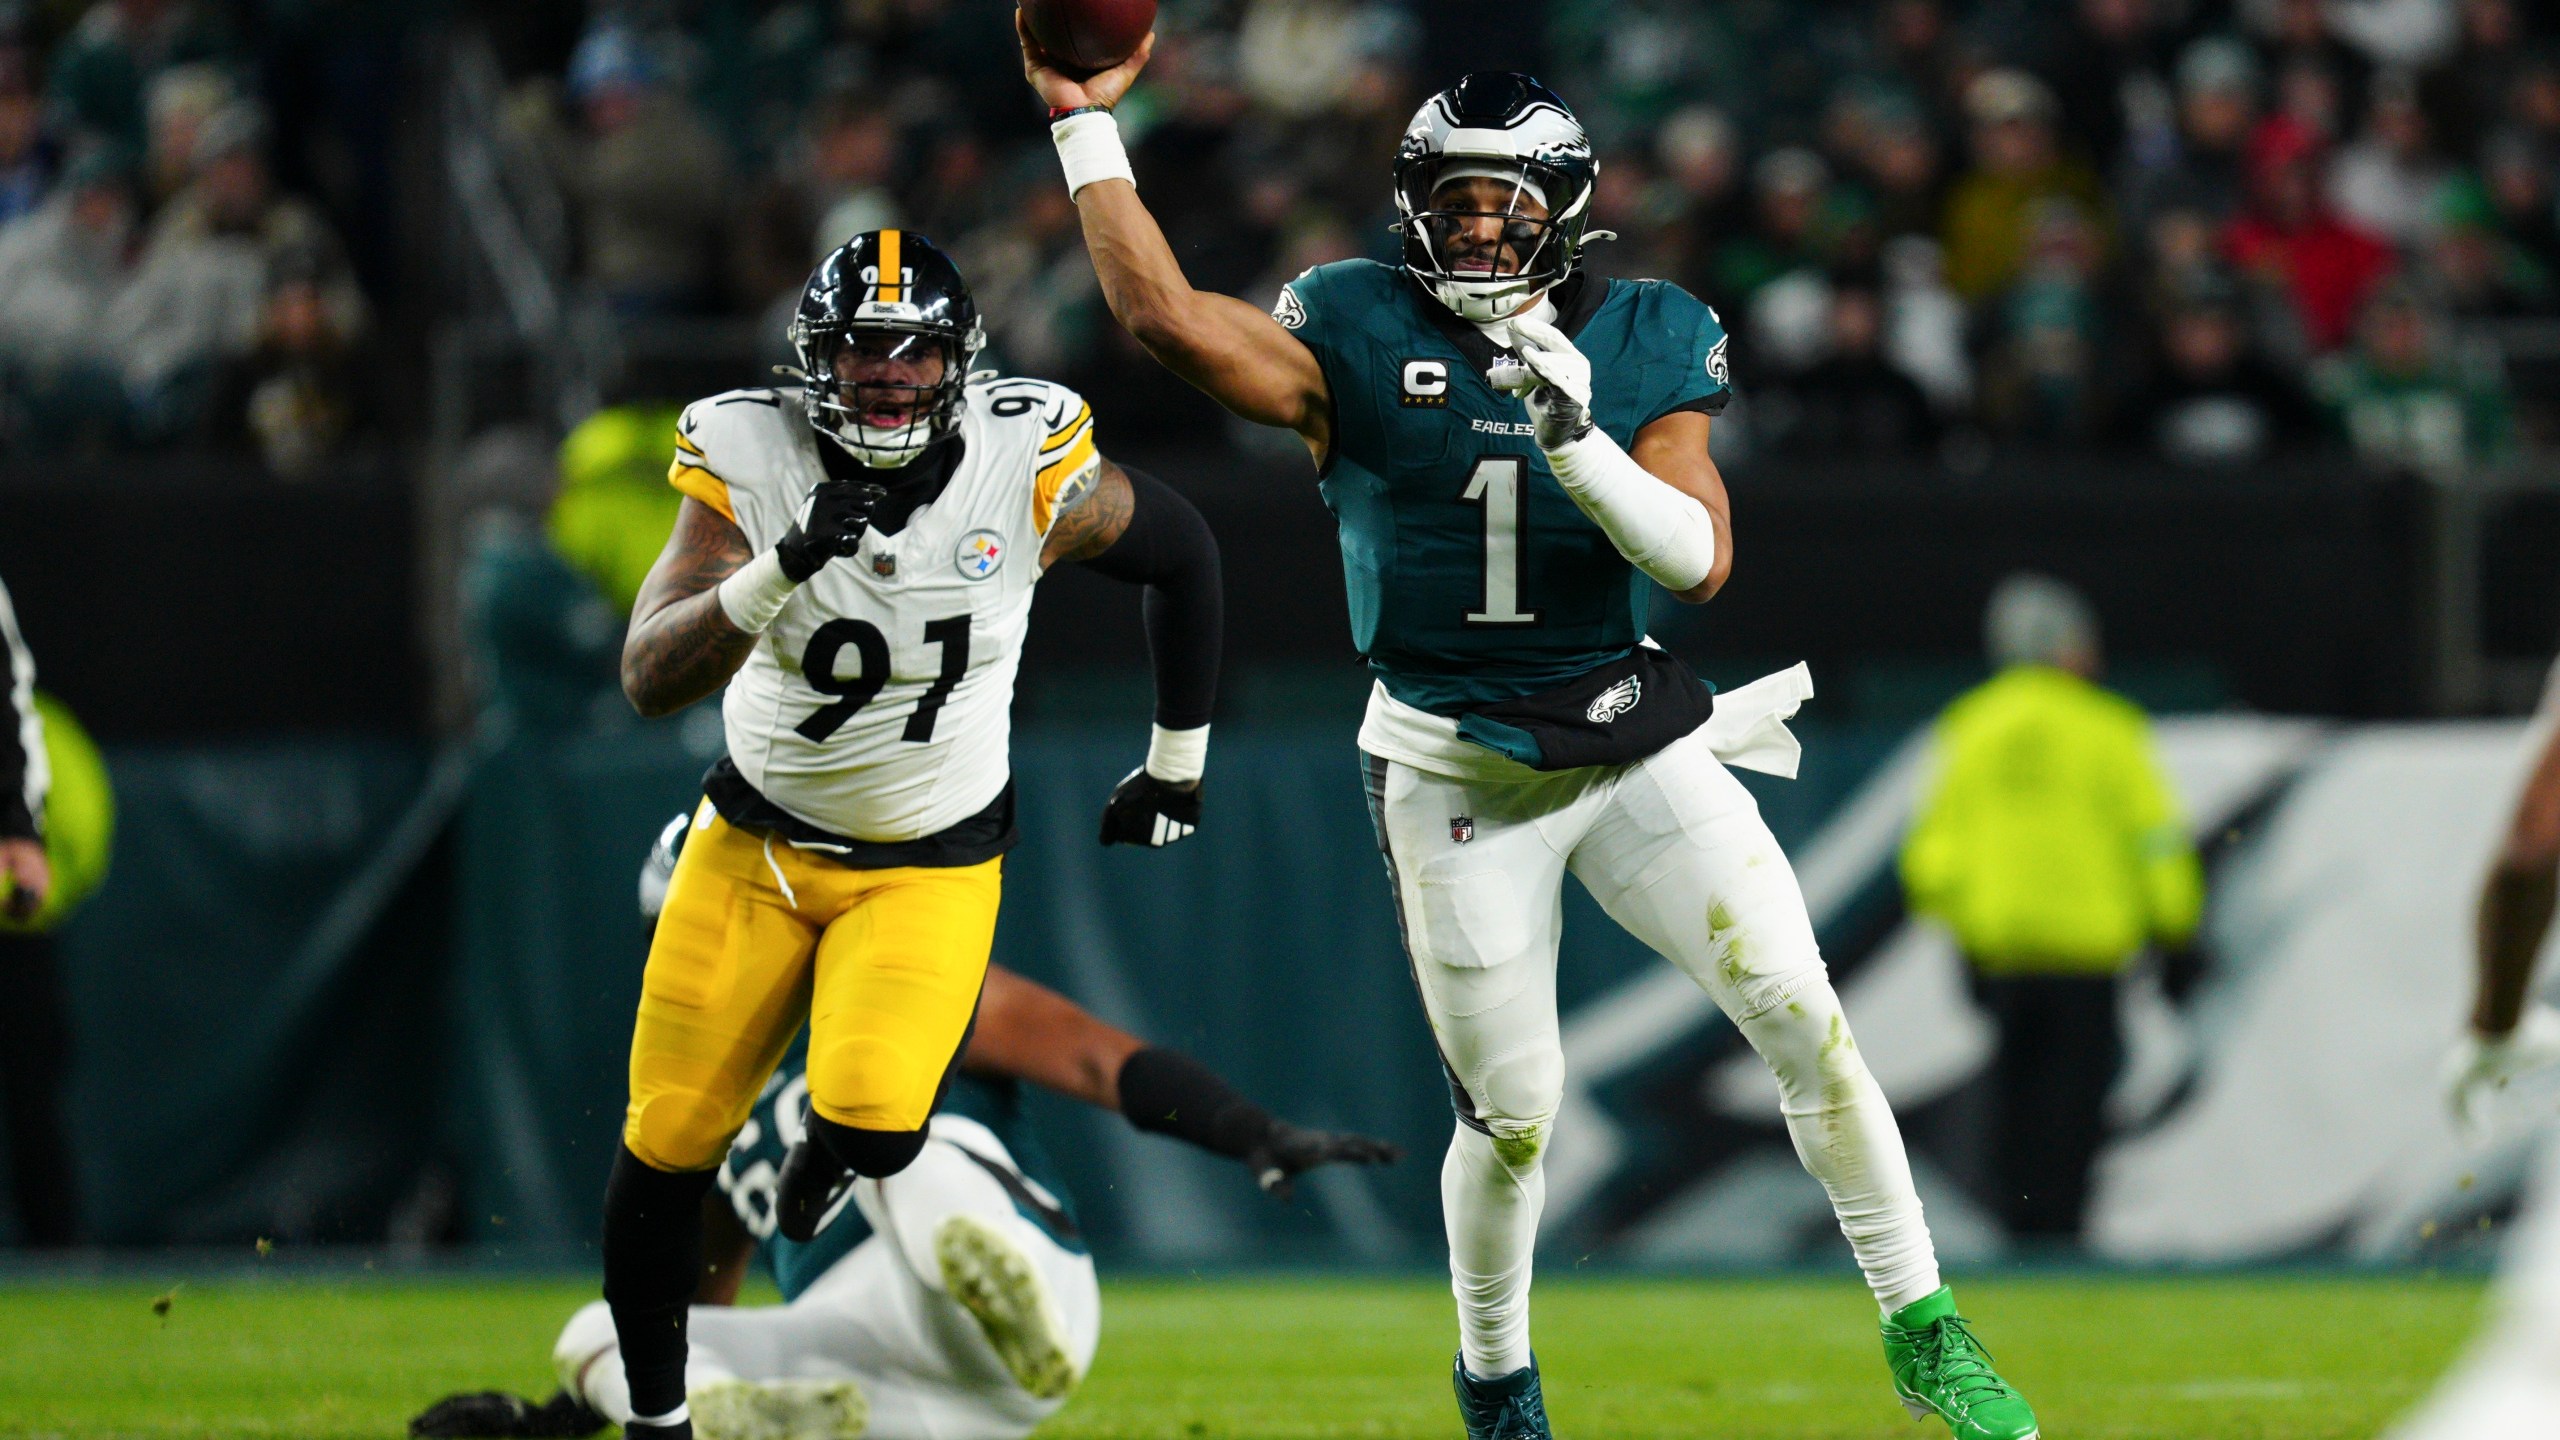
<point x="891" y="287"/>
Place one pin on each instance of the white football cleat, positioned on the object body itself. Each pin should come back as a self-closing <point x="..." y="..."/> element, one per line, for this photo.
<point x="994" y="1281"/>
<point x="780" y="1410"/>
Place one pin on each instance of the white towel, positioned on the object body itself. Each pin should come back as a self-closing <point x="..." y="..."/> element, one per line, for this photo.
<point x="1749" y="726"/>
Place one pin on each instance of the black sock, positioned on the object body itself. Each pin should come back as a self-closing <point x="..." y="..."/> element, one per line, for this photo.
<point x="652" y="1264"/>
<point x="875" y="1153"/>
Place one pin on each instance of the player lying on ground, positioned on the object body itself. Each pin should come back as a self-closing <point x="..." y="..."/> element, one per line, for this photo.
<point x="854" y="559"/>
<point x="2508" y="1385"/>
<point x="1516" y="453"/>
<point x="951" y="1301"/>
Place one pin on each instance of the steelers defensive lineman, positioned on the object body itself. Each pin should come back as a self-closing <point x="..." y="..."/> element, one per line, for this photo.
<point x="1516" y="454"/>
<point x="854" y="558"/>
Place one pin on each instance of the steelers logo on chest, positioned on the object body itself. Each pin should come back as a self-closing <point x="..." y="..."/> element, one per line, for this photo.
<point x="980" y="555"/>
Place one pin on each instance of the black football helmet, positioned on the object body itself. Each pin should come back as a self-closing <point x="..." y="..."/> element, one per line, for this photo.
<point x="1508" y="127"/>
<point x="895" y="293"/>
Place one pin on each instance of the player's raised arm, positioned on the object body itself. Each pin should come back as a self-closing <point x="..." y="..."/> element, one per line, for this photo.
<point x="1229" y="349"/>
<point x="1030" y="1032"/>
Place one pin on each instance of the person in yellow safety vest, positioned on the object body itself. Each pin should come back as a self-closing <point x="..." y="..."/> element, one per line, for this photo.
<point x="57" y="820"/>
<point x="614" y="509"/>
<point x="2049" y="843"/>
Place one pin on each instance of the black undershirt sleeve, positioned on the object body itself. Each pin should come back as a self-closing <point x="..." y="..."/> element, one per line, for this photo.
<point x="1168" y="549"/>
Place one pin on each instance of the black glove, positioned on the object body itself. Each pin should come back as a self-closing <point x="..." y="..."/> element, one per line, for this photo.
<point x="829" y="526"/>
<point x="1286" y="1150"/>
<point x="497" y="1415"/>
<point x="1144" y="810"/>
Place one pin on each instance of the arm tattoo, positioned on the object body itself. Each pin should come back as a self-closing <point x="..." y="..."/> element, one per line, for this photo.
<point x="681" y="646"/>
<point x="1095" y="522"/>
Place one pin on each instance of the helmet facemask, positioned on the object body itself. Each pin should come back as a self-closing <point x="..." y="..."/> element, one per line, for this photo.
<point x="1451" y="207"/>
<point x="883" y="391"/>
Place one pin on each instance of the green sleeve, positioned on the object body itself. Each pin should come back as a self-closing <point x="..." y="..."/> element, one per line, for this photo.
<point x="1696" y="373"/>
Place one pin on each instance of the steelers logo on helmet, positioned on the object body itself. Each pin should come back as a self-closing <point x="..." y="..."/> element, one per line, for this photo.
<point x="1493" y="193"/>
<point x="885" y="335"/>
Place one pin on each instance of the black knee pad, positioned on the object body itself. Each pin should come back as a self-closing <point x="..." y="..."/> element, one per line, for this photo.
<point x="878" y="1154"/>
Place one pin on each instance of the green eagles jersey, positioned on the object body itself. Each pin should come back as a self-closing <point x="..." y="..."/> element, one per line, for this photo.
<point x="1473" y="577"/>
<point x="754" y="1165"/>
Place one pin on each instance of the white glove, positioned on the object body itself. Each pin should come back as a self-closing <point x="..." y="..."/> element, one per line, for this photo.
<point x="1552" y="378"/>
<point x="2481" y="1065"/>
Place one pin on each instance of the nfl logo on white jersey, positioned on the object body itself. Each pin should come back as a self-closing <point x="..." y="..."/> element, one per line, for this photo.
<point x="981" y="552"/>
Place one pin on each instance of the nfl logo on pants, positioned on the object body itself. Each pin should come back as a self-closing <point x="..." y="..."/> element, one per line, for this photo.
<point x="1462" y="828"/>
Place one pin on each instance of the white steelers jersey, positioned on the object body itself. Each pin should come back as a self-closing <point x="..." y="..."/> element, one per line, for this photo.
<point x="878" y="706"/>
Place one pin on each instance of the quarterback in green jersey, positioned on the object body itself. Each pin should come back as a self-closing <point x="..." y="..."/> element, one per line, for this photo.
<point x="1516" y="454"/>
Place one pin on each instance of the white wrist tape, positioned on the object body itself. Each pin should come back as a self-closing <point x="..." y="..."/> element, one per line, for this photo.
<point x="1089" y="149"/>
<point x="1662" y="532"/>
<point x="1178" y="757"/>
<point x="756" y="593"/>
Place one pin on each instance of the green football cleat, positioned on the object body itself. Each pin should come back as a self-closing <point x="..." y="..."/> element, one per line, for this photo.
<point x="1511" y="1408"/>
<point x="1940" y="1369"/>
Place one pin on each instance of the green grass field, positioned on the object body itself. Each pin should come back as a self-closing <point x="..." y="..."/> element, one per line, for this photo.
<point x="2104" y="1359"/>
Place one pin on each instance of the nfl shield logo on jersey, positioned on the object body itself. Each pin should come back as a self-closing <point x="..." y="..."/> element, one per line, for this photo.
<point x="981" y="552"/>
<point x="1462" y="828"/>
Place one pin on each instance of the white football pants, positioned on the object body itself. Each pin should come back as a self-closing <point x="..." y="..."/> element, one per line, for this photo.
<point x="2507" y="1384"/>
<point x="880" y="1316"/>
<point x="1675" y="851"/>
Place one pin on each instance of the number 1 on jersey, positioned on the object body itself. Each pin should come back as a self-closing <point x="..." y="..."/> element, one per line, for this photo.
<point x="1500" y="485"/>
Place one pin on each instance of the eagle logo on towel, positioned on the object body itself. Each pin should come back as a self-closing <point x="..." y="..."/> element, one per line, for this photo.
<point x="1615" y="701"/>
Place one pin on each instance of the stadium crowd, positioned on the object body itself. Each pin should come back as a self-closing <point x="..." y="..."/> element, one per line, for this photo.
<point x="2208" y="231"/>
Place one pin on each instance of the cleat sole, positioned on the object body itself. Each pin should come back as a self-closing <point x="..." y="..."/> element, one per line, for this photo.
<point x="990" y="1277"/>
<point x="780" y="1410"/>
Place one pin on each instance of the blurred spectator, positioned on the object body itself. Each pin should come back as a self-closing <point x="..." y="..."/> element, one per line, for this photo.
<point x="1853" y="401"/>
<point x="2112" y="78"/>
<point x="26" y="160"/>
<point x="201" y="298"/>
<point x="2524" y="195"/>
<point x="101" y="69"/>
<point x="614" y="508"/>
<point x="2308" y="54"/>
<point x="2391" y="181"/>
<point x="645" y="174"/>
<point x="2290" y="240"/>
<point x="1033" y="281"/>
<point x="1924" y="330"/>
<point x="2470" y="90"/>
<point x="853" y="153"/>
<point x="61" y="270"/>
<point x="2206" y="169"/>
<point x="2475" y="270"/>
<point x="1905" y="168"/>
<point x="1790" y="188"/>
<point x="2211" y="398"/>
<point x="2050" y="845"/>
<point x="2018" y="170"/>
<point x="179" y="101"/>
<point x="1701" y="160"/>
<point x="547" y="644"/>
<point x="295" y="394"/>
<point x="2042" y="380"/>
<point x="2405" y="398"/>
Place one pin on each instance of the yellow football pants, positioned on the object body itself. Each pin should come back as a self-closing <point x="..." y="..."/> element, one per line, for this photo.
<point x="885" y="964"/>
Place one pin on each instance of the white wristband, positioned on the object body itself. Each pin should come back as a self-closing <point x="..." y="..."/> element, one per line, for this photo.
<point x="1662" y="531"/>
<point x="1089" y="149"/>
<point x="756" y="593"/>
<point x="1178" y="757"/>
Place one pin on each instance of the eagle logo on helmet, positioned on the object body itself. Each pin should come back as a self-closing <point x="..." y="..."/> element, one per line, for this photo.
<point x="1497" y="125"/>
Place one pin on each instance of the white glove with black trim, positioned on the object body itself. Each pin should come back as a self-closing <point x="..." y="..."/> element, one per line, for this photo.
<point x="2481" y="1065"/>
<point x="1552" y="378"/>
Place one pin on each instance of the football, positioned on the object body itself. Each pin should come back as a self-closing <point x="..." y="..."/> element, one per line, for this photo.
<point x="1085" y="36"/>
